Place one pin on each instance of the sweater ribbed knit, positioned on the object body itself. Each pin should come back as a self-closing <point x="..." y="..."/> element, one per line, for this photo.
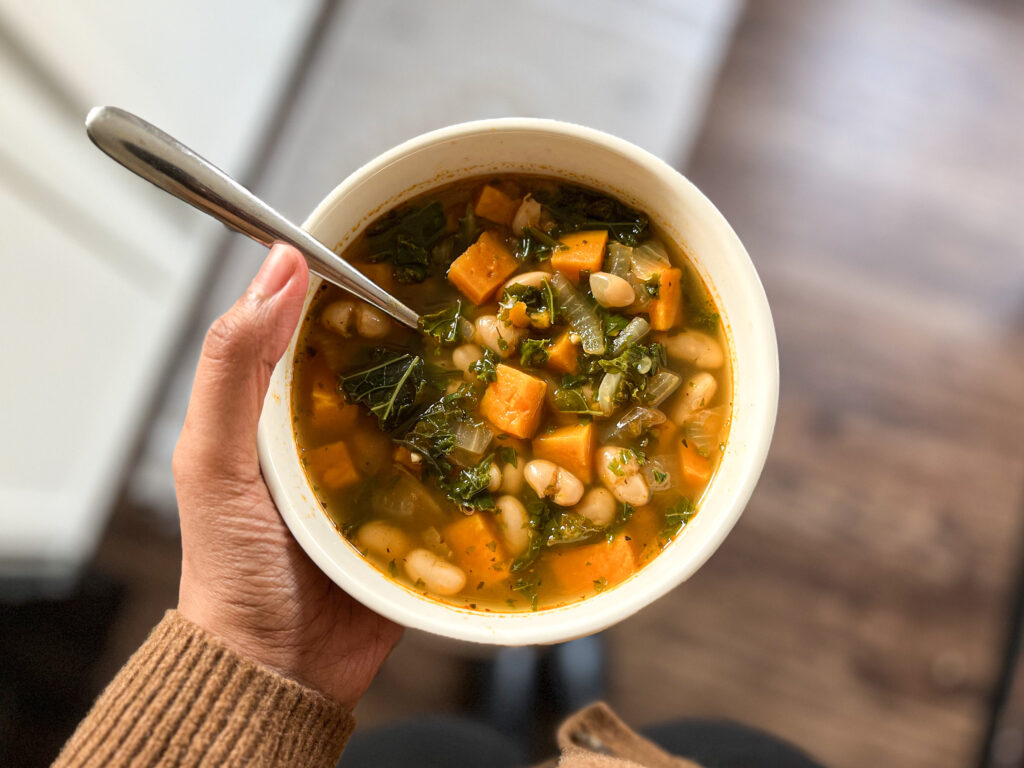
<point x="185" y="699"/>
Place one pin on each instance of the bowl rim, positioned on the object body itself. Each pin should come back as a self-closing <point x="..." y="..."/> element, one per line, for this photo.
<point x="391" y="599"/>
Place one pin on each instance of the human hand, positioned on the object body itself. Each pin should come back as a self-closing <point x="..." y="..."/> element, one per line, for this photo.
<point x="243" y="577"/>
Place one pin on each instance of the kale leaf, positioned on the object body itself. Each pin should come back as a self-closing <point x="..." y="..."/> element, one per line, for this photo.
<point x="536" y="245"/>
<point x="533" y="353"/>
<point x="390" y="386"/>
<point x="572" y="398"/>
<point x="507" y="455"/>
<point x="405" y="239"/>
<point x="539" y="514"/>
<point x="567" y="528"/>
<point x="575" y="208"/>
<point x="614" y="324"/>
<point x="484" y="368"/>
<point x="432" y="437"/>
<point x="622" y="516"/>
<point x="468" y="487"/>
<point x="443" y="326"/>
<point x="539" y="301"/>
<point x="454" y="245"/>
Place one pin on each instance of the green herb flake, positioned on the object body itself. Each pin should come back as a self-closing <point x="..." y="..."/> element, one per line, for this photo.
<point x="528" y="586"/>
<point x="653" y="286"/>
<point x="676" y="518"/>
<point x="600" y="584"/>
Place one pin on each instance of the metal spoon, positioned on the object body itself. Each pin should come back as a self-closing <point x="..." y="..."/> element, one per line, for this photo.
<point x="152" y="154"/>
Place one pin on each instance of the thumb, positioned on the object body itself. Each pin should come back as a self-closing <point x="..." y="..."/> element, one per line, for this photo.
<point x="239" y="354"/>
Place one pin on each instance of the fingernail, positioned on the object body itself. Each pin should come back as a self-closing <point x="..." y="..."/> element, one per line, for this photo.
<point x="277" y="269"/>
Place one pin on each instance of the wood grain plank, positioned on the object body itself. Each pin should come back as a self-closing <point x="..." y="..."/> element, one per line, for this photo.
<point x="870" y="156"/>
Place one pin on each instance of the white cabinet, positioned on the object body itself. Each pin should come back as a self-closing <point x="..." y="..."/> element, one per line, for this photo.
<point x="100" y="270"/>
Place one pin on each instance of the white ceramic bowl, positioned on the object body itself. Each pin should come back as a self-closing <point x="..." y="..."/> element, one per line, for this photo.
<point x="638" y="178"/>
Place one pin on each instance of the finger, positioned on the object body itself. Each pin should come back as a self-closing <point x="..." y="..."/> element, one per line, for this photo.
<point x="239" y="354"/>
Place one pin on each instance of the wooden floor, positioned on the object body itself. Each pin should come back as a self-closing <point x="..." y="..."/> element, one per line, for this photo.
<point x="871" y="156"/>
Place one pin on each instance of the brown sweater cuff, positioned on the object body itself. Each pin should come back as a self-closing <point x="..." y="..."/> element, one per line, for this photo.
<point x="186" y="699"/>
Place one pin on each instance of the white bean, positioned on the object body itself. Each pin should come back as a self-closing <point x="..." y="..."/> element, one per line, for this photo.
<point x="496" y="336"/>
<point x="611" y="290"/>
<point x="695" y="347"/>
<point x="383" y="539"/>
<point x="371" y="323"/>
<point x="528" y="215"/>
<point x="339" y="316"/>
<point x="527" y="279"/>
<point x="598" y="505"/>
<point x="697" y="392"/>
<point x="465" y="355"/>
<point x="511" y="479"/>
<point x="493" y="478"/>
<point x="550" y="480"/>
<point x="513" y="524"/>
<point x="620" y="472"/>
<point x="437" y="574"/>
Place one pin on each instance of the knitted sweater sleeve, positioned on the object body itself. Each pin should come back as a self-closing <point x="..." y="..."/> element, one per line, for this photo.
<point x="185" y="699"/>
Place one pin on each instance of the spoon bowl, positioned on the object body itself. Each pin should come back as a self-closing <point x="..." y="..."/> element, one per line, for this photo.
<point x="167" y="163"/>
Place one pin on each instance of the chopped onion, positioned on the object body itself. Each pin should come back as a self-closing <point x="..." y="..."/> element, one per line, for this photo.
<point x="620" y="260"/>
<point x="661" y="385"/>
<point x="470" y="442"/>
<point x="632" y="424"/>
<point x="704" y="429"/>
<point x="635" y="330"/>
<point x="607" y="391"/>
<point x="582" y="317"/>
<point x="657" y="475"/>
<point x="432" y="538"/>
<point x="401" y="495"/>
<point x="650" y="259"/>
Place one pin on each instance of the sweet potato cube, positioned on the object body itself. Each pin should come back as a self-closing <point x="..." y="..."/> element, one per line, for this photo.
<point x="495" y="205"/>
<point x="664" y="310"/>
<point x="334" y="466"/>
<point x="477" y="549"/>
<point x="513" y="401"/>
<point x="563" y="355"/>
<point x="585" y="253"/>
<point x="330" y="411"/>
<point x="482" y="268"/>
<point x="667" y="435"/>
<point x="570" y="447"/>
<point x="694" y="468"/>
<point x="518" y="316"/>
<point x="579" y="570"/>
<point x="642" y="533"/>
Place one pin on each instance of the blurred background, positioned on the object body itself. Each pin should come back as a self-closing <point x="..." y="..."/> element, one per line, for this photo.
<point x="870" y="153"/>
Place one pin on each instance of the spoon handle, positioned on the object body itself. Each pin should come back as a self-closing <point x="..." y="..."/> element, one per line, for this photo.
<point x="152" y="154"/>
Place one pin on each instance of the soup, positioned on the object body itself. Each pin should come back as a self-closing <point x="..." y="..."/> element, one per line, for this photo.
<point x="556" y="422"/>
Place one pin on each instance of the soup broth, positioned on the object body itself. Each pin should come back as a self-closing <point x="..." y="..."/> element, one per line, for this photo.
<point x="556" y="423"/>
